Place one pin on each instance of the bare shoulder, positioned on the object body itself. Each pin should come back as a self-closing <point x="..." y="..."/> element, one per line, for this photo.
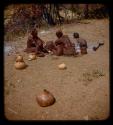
<point x="82" y="40"/>
<point x="66" y="36"/>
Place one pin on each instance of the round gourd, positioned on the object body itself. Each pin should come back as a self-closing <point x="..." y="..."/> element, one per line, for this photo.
<point x="19" y="58"/>
<point x="32" y="56"/>
<point x="45" y="98"/>
<point x="20" y="65"/>
<point x="62" y="66"/>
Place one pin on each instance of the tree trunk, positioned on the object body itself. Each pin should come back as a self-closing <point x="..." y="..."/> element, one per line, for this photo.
<point x="72" y="11"/>
<point x="86" y="9"/>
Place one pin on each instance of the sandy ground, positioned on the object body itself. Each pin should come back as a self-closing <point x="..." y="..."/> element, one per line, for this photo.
<point x="81" y="91"/>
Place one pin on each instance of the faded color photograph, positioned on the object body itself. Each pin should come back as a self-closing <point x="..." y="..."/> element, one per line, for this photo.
<point x="56" y="62"/>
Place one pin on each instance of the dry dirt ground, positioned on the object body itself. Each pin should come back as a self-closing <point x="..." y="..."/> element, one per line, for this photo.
<point x="81" y="91"/>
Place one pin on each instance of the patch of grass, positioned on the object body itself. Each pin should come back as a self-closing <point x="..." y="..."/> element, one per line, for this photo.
<point x="12" y="85"/>
<point x="89" y="76"/>
<point x="9" y="87"/>
<point x="11" y="36"/>
<point x="7" y="92"/>
<point x="97" y="73"/>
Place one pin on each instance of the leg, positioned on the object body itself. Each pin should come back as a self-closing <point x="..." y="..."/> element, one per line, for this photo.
<point x="30" y="50"/>
<point x="83" y="50"/>
<point x="44" y="50"/>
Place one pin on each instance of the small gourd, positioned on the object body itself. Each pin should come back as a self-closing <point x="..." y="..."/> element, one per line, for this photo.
<point x="32" y="56"/>
<point x="62" y="66"/>
<point x="20" y="64"/>
<point x="19" y="58"/>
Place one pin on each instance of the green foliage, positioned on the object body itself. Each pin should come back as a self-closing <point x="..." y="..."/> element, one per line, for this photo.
<point x="98" y="13"/>
<point x="90" y="76"/>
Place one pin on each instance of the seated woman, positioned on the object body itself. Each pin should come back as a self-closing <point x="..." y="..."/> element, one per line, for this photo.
<point x="35" y="44"/>
<point x="64" y="42"/>
<point x="62" y="46"/>
<point x="56" y="50"/>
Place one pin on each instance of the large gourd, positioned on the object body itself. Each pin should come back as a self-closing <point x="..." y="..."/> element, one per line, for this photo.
<point x="45" y="98"/>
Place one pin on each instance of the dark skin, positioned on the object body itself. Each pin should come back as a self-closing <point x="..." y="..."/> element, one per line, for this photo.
<point x="57" y="50"/>
<point x="62" y="46"/>
<point x="64" y="42"/>
<point x="82" y="43"/>
<point x="35" y="44"/>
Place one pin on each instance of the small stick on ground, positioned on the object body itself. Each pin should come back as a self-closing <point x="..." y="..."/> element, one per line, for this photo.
<point x="12" y="111"/>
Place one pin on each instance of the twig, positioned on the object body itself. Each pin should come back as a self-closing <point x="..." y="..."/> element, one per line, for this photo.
<point x="12" y="111"/>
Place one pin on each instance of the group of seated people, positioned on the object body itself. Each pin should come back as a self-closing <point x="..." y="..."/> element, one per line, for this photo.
<point x="62" y="46"/>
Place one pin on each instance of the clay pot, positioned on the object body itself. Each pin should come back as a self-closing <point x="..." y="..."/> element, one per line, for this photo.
<point x="83" y="50"/>
<point x="45" y="99"/>
<point x="62" y="66"/>
<point x="19" y="58"/>
<point x="32" y="56"/>
<point x="20" y="65"/>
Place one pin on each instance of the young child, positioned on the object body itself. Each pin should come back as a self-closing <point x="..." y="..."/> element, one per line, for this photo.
<point x="81" y="44"/>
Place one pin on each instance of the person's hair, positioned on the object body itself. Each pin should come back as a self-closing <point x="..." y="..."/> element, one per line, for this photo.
<point x="59" y="33"/>
<point x="76" y="35"/>
<point x="34" y="31"/>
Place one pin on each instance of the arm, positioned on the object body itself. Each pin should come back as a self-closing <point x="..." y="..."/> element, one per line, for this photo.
<point x="29" y="42"/>
<point x="41" y="40"/>
<point x="58" y="42"/>
<point x="86" y="44"/>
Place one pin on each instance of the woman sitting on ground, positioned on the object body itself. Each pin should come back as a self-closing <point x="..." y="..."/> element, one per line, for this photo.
<point x="62" y="46"/>
<point x="35" y="44"/>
